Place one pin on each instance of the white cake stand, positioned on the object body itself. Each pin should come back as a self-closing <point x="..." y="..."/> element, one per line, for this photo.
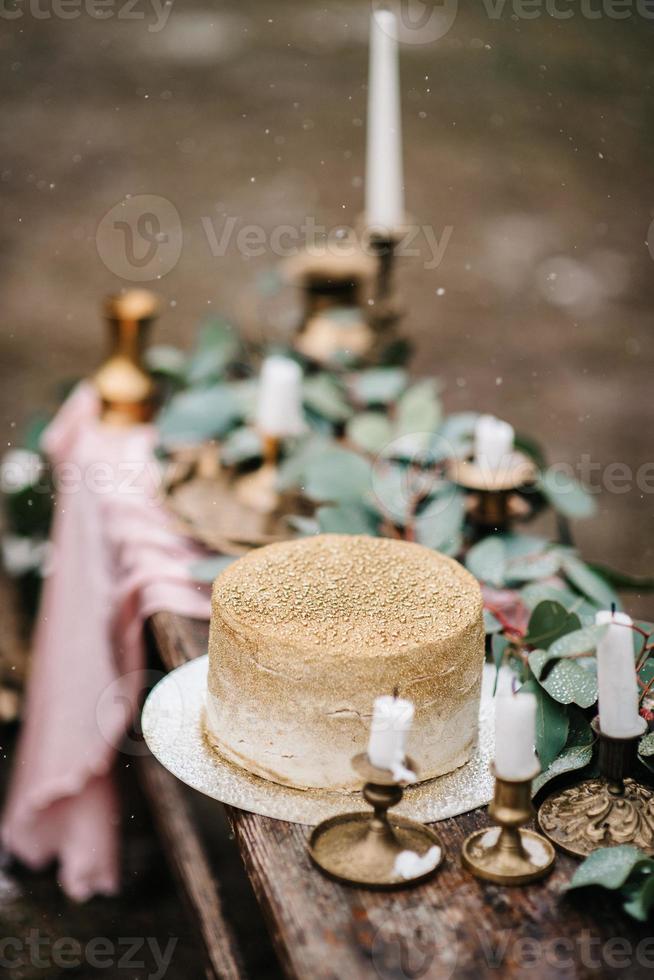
<point x="173" y="728"/>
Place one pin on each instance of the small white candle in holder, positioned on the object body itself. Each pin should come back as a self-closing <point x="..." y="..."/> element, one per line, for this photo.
<point x="493" y="441"/>
<point x="279" y="398"/>
<point x="384" y="180"/>
<point x="616" y="678"/>
<point x="391" y="722"/>
<point x="515" y="736"/>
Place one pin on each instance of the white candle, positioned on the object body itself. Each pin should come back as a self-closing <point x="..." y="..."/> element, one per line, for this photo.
<point x="279" y="400"/>
<point x="616" y="678"/>
<point x="493" y="441"/>
<point x="391" y="722"/>
<point x="384" y="180"/>
<point x="515" y="736"/>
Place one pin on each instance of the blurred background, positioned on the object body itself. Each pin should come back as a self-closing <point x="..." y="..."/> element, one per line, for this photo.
<point x="529" y="138"/>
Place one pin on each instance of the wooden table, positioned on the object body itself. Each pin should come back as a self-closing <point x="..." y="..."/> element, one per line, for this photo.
<point x="453" y="926"/>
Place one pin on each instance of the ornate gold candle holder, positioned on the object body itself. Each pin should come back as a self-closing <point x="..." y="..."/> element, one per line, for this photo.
<point x="361" y="848"/>
<point x="612" y="809"/>
<point x="507" y="854"/>
<point x="125" y="388"/>
<point x="494" y="501"/>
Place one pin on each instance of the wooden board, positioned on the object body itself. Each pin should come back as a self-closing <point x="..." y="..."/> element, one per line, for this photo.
<point x="453" y="926"/>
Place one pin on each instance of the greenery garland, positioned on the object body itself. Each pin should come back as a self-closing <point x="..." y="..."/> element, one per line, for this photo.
<point x="373" y="461"/>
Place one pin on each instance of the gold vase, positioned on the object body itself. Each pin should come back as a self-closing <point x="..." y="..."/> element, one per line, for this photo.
<point x="125" y="388"/>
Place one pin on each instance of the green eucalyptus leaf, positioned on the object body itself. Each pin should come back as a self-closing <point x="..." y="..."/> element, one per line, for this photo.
<point x="242" y="445"/>
<point x="394" y="487"/>
<point x="337" y="475"/>
<point x="305" y="526"/>
<point x="198" y="414"/>
<point x="246" y="394"/>
<point x="609" y="867"/>
<point x="207" y="569"/>
<point x="166" y="360"/>
<point x="325" y="396"/>
<point x="548" y="622"/>
<point x="457" y="432"/>
<point x="567" y="682"/>
<point x="528" y="446"/>
<point x="584" y="640"/>
<point x="570" y="759"/>
<point x="529" y="568"/>
<point x="292" y="469"/>
<point x="537" y="592"/>
<point x="551" y="724"/>
<point x="217" y="347"/>
<point x="641" y="900"/>
<point x="589" y="582"/>
<point x="486" y="561"/>
<point x="370" y="431"/>
<point x="418" y="410"/>
<point x="524" y="545"/>
<point x="440" y="524"/>
<point x="378" y="386"/>
<point x="566" y="494"/>
<point x="351" y="518"/>
<point x="620" y="580"/>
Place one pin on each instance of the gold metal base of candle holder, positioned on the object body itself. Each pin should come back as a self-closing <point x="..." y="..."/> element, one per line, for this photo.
<point x="493" y="498"/>
<point x="507" y="854"/>
<point x="361" y="848"/>
<point x="258" y="490"/>
<point x="604" y="812"/>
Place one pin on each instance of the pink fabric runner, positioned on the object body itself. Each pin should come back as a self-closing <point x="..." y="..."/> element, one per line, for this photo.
<point x="115" y="562"/>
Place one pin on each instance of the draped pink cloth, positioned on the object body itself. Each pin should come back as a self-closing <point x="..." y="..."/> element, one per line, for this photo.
<point x="115" y="562"/>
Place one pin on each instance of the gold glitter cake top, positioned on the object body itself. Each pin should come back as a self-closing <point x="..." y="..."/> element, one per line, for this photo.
<point x="353" y="593"/>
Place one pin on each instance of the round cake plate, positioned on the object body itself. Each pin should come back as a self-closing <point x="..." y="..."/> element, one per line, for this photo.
<point x="173" y="728"/>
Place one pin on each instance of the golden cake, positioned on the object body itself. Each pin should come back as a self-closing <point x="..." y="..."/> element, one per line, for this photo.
<point x="306" y="634"/>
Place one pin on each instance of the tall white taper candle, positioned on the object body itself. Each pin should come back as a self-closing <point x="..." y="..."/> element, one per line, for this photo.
<point x="384" y="179"/>
<point x="279" y="398"/>
<point x="515" y="736"/>
<point x="616" y="678"/>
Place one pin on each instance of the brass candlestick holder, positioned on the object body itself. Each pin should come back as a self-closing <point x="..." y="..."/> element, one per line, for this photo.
<point x="385" y="313"/>
<point x="612" y="809"/>
<point x="125" y="388"/>
<point x="362" y="848"/>
<point x="494" y="502"/>
<point x="334" y="324"/>
<point x="258" y="490"/>
<point x="508" y="854"/>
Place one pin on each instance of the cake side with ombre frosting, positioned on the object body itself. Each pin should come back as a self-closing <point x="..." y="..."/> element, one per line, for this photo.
<point x="305" y="634"/>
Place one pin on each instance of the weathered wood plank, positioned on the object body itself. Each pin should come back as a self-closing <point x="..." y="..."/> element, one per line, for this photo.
<point x="452" y="926"/>
<point x="191" y="868"/>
